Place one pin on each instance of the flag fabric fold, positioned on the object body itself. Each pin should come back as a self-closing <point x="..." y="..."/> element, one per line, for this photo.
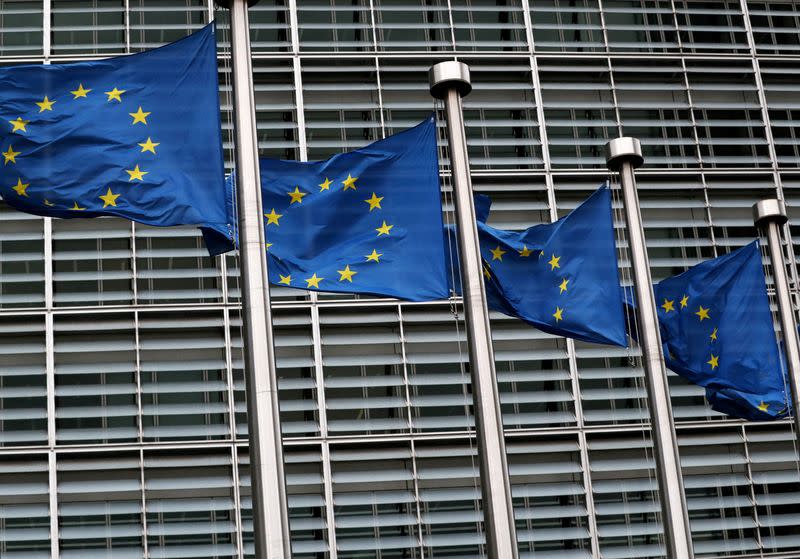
<point x="136" y="137"/>
<point x="717" y="332"/>
<point x="560" y="277"/>
<point x="367" y="221"/>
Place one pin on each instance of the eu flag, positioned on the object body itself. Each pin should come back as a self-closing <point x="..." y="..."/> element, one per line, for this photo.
<point x="134" y="136"/>
<point x="368" y="221"/>
<point x="560" y="277"/>
<point x="717" y="332"/>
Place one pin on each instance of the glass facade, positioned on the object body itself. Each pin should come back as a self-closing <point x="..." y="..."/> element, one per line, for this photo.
<point x="122" y="406"/>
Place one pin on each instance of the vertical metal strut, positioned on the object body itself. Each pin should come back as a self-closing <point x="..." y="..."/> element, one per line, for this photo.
<point x="624" y="155"/>
<point x="769" y="216"/>
<point x="450" y="81"/>
<point x="270" y="511"/>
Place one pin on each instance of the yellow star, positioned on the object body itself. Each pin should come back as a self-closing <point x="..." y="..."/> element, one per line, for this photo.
<point x="109" y="198"/>
<point x="286" y="280"/>
<point x="714" y="361"/>
<point x="273" y="217"/>
<point x="350" y="182"/>
<point x="525" y="252"/>
<point x="313" y="281"/>
<point x="554" y="262"/>
<point x="296" y="196"/>
<point x="713" y="335"/>
<point x="80" y="92"/>
<point x="77" y="208"/>
<point x="497" y="253"/>
<point x="346" y="274"/>
<point x="563" y="286"/>
<point x="20" y="187"/>
<point x="684" y="301"/>
<point x="10" y="155"/>
<point x="149" y="145"/>
<point x="48" y="203"/>
<point x="115" y="94"/>
<point x="558" y="314"/>
<point x="384" y="229"/>
<point x="269" y="245"/>
<point x="486" y="271"/>
<point x="702" y="313"/>
<point x="669" y="305"/>
<point x="374" y="202"/>
<point x="325" y="185"/>
<point x="139" y="116"/>
<point x="19" y="124"/>
<point x="763" y="406"/>
<point x="46" y="105"/>
<point x="374" y="257"/>
<point x="136" y="174"/>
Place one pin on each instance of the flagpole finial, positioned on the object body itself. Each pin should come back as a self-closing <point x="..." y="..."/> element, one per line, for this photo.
<point x="448" y="75"/>
<point x="621" y="150"/>
<point x="768" y="210"/>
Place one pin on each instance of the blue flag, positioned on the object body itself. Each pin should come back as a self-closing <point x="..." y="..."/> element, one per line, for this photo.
<point x="134" y="136"/>
<point x="560" y="277"/>
<point x="368" y="221"/>
<point x="717" y="332"/>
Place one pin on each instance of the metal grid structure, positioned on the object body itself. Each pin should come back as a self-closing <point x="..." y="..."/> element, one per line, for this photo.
<point x="122" y="429"/>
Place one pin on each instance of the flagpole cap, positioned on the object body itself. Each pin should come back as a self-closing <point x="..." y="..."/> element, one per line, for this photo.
<point x="445" y="76"/>
<point x="624" y="150"/>
<point x="771" y="210"/>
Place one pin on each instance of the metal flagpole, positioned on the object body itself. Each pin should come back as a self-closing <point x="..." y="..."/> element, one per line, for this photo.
<point x="450" y="81"/>
<point x="769" y="216"/>
<point x="270" y="511"/>
<point x="624" y="155"/>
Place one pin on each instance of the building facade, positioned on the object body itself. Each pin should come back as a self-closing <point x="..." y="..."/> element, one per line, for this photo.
<point x="122" y="411"/>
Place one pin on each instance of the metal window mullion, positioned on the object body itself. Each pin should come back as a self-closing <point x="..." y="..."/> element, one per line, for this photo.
<point x="145" y="551"/>
<point x="302" y="141"/>
<point x="417" y="499"/>
<point x="699" y="155"/>
<point x="379" y="85"/>
<point x="604" y="30"/>
<point x="127" y="17"/>
<point x="226" y="320"/>
<point x="46" y="29"/>
<point x="588" y="489"/>
<point x="751" y="486"/>
<point x="237" y="501"/>
<point x="762" y="98"/>
<point x="452" y="25"/>
<point x="327" y="474"/>
<point x="138" y="375"/>
<point x="134" y="268"/>
<point x="52" y="488"/>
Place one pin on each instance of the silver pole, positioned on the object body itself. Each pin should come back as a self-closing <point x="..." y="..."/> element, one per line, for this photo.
<point x="450" y="81"/>
<point x="624" y="155"/>
<point x="769" y="216"/>
<point x="270" y="511"/>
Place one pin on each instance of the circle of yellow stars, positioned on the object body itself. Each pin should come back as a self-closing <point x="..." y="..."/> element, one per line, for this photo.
<point x="346" y="274"/>
<point x="554" y="262"/>
<point x="702" y="313"/>
<point x="20" y="125"/>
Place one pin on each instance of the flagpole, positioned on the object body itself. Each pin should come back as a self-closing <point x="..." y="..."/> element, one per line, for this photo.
<point x="624" y="155"/>
<point x="268" y="486"/>
<point x="769" y="216"/>
<point x="450" y="81"/>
